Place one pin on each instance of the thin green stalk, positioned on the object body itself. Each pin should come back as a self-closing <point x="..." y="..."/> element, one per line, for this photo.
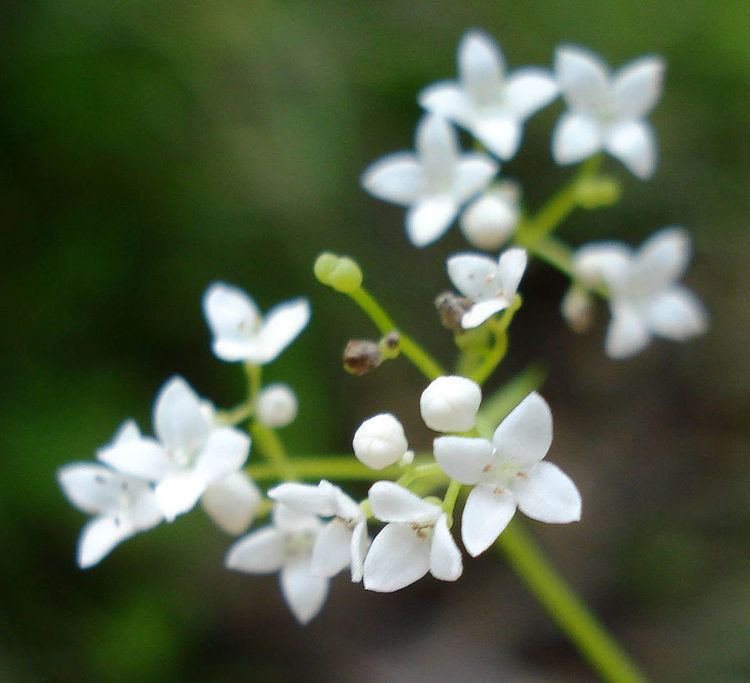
<point x="500" y="347"/>
<point x="268" y="443"/>
<point x="565" y="608"/>
<point x="449" y="499"/>
<point x="340" y="467"/>
<point x="413" y="351"/>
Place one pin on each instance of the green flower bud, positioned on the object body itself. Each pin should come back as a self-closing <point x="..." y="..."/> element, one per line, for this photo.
<point x="346" y="276"/>
<point x="325" y="264"/>
<point x="598" y="192"/>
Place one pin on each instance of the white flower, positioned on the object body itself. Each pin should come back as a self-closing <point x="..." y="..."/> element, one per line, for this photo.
<point x="607" y="111"/>
<point x="491" y="218"/>
<point x="433" y="183"/>
<point x="490" y="285"/>
<point x="121" y="505"/>
<point x="450" y="404"/>
<point x="645" y="297"/>
<point x="490" y="104"/>
<point x="285" y="546"/>
<point x="239" y="331"/>
<point x="191" y="456"/>
<point x="380" y="441"/>
<point x="415" y="540"/>
<point x="509" y="472"/>
<point x="343" y="541"/>
<point x="276" y="405"/>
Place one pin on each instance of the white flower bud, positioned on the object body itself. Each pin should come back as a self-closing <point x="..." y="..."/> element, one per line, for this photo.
<point x="276" y="406"/>
<point x="489" y="220"/>
<point x="380" y="441"/>
<point x="450" y="404"/>
<point x="577" y="309"/>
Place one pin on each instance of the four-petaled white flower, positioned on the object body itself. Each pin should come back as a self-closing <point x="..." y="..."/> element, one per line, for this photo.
<point x="415" y="540"/>
<point x="645" y="297"/>
<point x="607" y="111"/>
<point x="489" y="285"/>
<point x="191" y="457"/>
<point x="285" y="546"/>
<point x="434" y="182"/>
<point x="121" y="505"/>
<point x="509" y="472"/>
<point x="343" y="541"/>
<point x="490" y="104"/>
<point x="239" y="331"/>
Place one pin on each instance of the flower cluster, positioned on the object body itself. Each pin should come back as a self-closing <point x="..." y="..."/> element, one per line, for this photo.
<point x="486" y="461"/>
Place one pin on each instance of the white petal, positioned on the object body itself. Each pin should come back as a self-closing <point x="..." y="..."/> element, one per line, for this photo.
<point x="447" y="99"/>
<point x="583" y="78"/>
<point x="473" y="173"/>
<point x="142" y="511"/>
<point x="127" y="431"/>
<point x="359" y="548"/>
<point x="429" y="218"/>
<point x="463" y="458"/>
<point x="396" y="178"/>
<point x="482" y="312"/>
<point x="98" y="538"/>
<point x="661" y="261"/>
<point x="332" y="550"/>
<point x="346" y="508"/>
<point x="293" y="521"/>
<point x="303" y="592"/>
<point x="524" y="437"/>
<point x="487" y="512"/>
<point x="437" y="148"/>
<point x="140" y="457"/>
<point x="280" y="327"/>
<point x="445" y="557"/>
<point x="91" y="488"/>
<point x="627" y="333"/>
<point x="510" y="270"/>
<point x="499" y="132"/>
<point x="232" y="316"/>
<point x="633" y="143"/>
<point x="677" y="314"/>
<point x="397" y="557"/>
<point x="393" y="503"/>
<point x="608" y="263"/>
<point x="179" y="420"/>
<point x="547" y="494"/>
<point x="232" y="502"/>
<point x="480" y="65"/>
<point x="179" y="493"/>
<point x="225" y="452"/>
<point x="260" y="552"/>
<point x="530" y="89"/>
<point x="307" y="498"/>
<point x="637" y="86"/>
<point x="470" y="273"/>
<point x="576" y="137"/>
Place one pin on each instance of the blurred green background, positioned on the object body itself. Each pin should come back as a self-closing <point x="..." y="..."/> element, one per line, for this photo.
<point x="149" y="148"/>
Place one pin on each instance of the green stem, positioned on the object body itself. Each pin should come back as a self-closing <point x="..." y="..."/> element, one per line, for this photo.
<point x="449" y="500"/>
<point x="413" y="351"/>
<point x="341" y="467"/>
<point x="500" y="347"/>
<point x="565" y="608"/>
<point x="268" y="442"/>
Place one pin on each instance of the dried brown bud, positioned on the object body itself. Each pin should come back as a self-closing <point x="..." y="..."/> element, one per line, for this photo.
<point x="361" y="356"/>
<point x="451" y="308"/>
<point x="390" y="345"/>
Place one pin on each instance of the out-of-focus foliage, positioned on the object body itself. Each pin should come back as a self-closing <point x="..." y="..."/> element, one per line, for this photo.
<point x="149" y="148"/>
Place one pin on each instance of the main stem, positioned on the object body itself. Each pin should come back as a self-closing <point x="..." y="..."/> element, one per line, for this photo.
<point x="562" y="604"/>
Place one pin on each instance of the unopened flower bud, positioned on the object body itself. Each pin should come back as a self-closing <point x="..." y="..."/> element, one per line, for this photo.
<point x="361" y="356"/>
<point x="324" y="265"/>
<point x="489" y="220"/>
<point x="380" y="441"/>
<point x="452" y="309"/>
<point x="597" y="192"/>
<point x="450" y="404"/>
<point x="577" y="309"/>
<point x="276" y="406"/>
<point x="346" y="276"/>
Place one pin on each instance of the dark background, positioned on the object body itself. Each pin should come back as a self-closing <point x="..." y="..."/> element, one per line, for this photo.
<point x="150" y="147"/>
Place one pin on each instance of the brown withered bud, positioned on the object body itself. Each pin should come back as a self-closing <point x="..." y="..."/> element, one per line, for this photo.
<point x="451" y="308"/>
<point x="361" y="356"/>
<point x="390" y="345"/>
